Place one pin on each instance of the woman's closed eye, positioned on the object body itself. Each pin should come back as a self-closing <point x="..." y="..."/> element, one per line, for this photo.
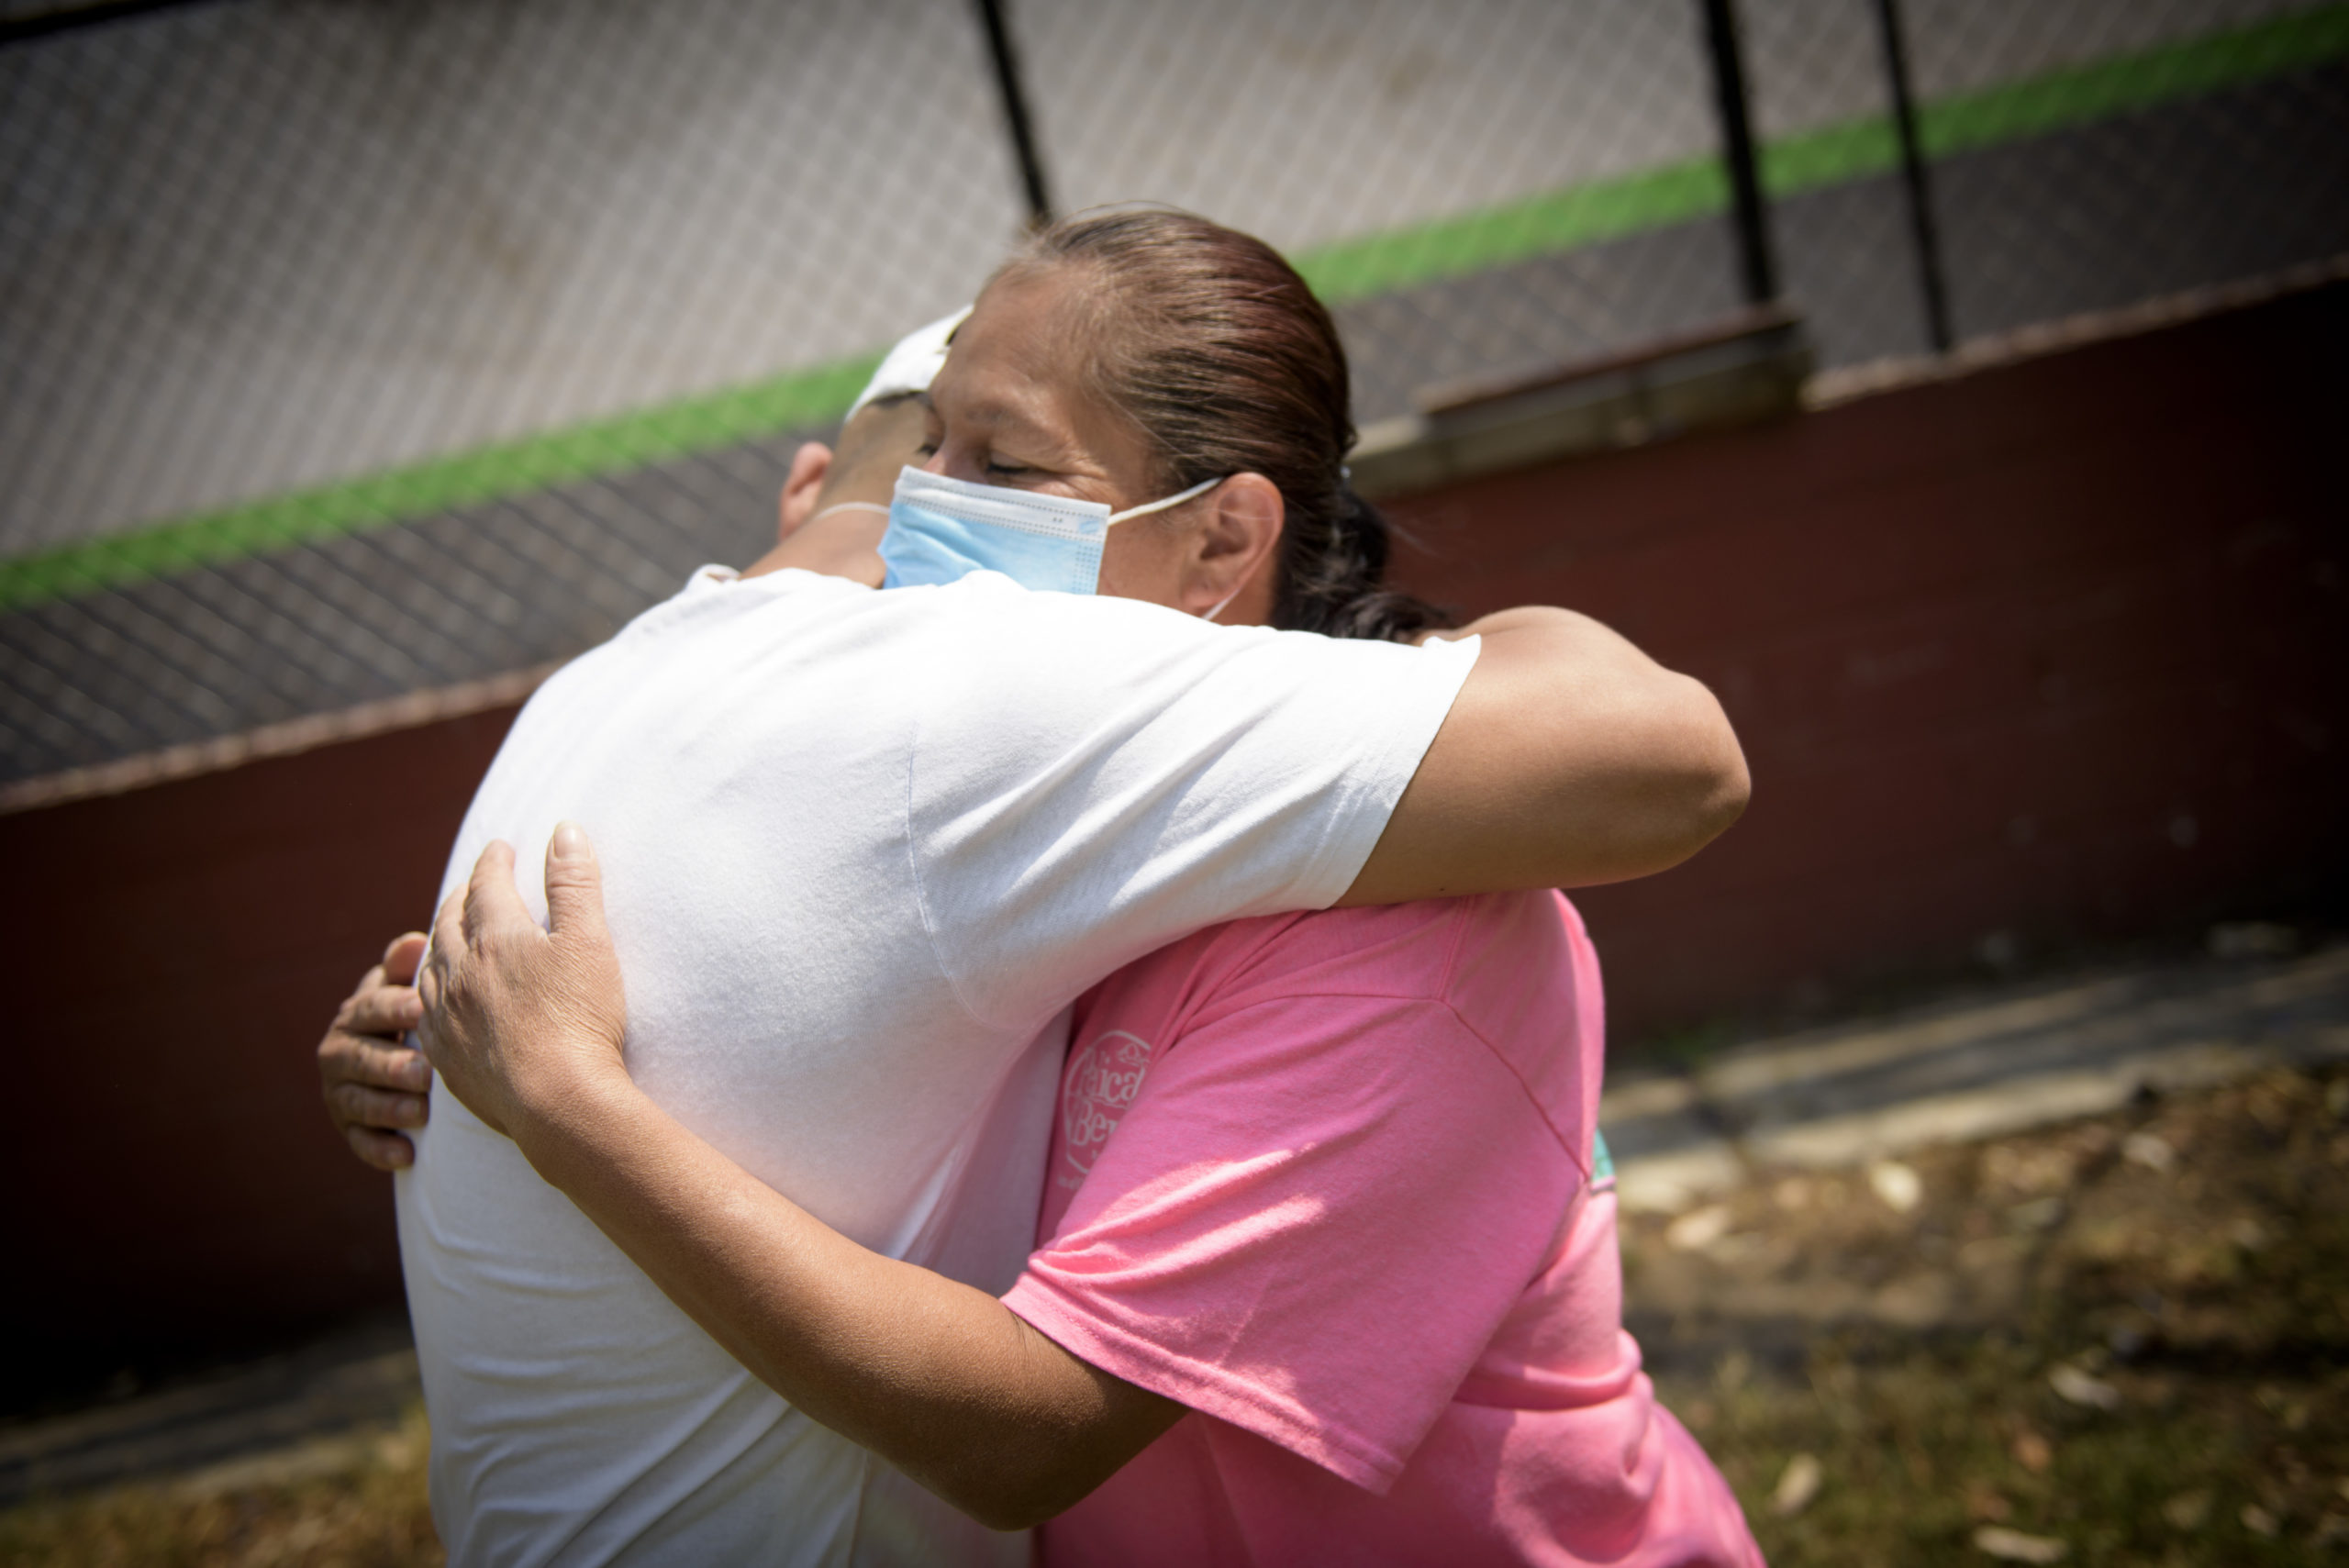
<point x="992" y="464"/>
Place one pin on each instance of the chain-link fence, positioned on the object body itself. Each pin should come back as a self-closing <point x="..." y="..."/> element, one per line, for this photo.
<point x="2078" y="156"/>
<point x="349" y="349"/>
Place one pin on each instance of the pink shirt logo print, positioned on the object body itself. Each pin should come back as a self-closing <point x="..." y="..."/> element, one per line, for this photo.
<point x="1102" y="1081"/>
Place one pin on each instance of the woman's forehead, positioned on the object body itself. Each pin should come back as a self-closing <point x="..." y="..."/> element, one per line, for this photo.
<point x="1020" y="333"/>
<point x="1016" y="369"/>
<point x="999" y="393"/>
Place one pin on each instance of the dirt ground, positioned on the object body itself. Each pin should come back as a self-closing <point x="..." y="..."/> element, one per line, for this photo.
<point x="2122" y="1340"/>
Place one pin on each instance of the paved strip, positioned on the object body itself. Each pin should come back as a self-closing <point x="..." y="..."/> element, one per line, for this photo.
<point x="1962" y="1070"/>
<point x="261" y="1419"/>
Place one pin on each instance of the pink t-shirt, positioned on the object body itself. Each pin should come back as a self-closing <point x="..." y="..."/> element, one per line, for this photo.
<point x="1325" y="1178"/>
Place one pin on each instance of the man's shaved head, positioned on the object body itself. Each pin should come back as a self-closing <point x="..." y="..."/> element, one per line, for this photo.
<point x="878" y="439"/>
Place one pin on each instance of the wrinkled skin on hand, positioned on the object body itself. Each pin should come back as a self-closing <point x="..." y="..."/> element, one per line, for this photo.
<point x="375" y="1084"/>
<point x="523" y="1024"/>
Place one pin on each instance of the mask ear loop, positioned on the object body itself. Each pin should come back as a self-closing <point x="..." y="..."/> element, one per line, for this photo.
<point x="1199" y="489"/>
<point x="848" y="506"/>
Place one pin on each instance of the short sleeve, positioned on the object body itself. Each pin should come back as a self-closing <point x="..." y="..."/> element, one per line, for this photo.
<point x="1310" y="1225"/>
<point x="1092" y="778"/>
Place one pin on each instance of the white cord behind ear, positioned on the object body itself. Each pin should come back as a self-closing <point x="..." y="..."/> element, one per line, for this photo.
<point x="1201" y="488"/>
<point x="1221" y="603"/>
<point x="848" y="506"/>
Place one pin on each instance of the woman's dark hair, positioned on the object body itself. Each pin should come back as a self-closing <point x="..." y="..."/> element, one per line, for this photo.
<point x="1215" y="347"/>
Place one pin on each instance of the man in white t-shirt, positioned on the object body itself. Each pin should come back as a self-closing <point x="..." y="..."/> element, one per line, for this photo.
<point x="863" y="850"/>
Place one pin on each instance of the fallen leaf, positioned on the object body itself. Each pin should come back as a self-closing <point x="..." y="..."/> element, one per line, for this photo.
<point x="1983" y="1503"/>
<point x="2150" y="1150"/>
<point x="1797" y="1485"/>
<point x="2013" y="1546"/>
<point x="2083" y="1387"/>
<point x="2251" y="939"/>
<point x="2188" y="1510"/>
<point x="1896" y="1184"/>
<point x="2259" y="1521"/>
<point x="1698" y="1229"/>
<point x="2033" y="1453"/>
<point x="2038" y="1214"/>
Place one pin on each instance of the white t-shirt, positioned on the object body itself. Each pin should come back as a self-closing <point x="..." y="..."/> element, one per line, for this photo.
<point x="859" y="853"/>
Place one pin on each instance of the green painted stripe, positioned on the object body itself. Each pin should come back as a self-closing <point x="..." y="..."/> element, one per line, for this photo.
<point x="1604" y="209"/>
<point x="1349" y="270"/>
<point x="700" y="424"/>
<point x="2074" y="95"/>
<point x="1541" y="226"/>
<point x="2104" y="88"/>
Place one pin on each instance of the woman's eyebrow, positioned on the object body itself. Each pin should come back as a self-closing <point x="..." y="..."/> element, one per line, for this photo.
<point x="1002" y="419"/>
<point x="994" y="413"/>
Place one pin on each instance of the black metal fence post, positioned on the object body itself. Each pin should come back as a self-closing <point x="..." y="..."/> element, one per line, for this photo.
<point x="1914" y="177"/>
<point x="1014" y="111"/>
<point x="74" y="19"/>
<point x="1758" y="258"/>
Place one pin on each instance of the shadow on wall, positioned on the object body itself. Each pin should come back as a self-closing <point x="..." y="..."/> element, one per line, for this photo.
<point x="2056" y="652"/>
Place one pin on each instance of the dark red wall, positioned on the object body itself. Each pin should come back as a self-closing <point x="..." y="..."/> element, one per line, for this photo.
<point x="175" y="955"/>
<point x="1990" y="643"/>
<point x="2057" y="650"/>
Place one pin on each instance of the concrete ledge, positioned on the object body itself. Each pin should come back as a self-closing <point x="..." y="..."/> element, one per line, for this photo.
<point x="1745" y="368"/>
<point x="1998" y="349"/>
<point x="286" y="739"/>
<point x="1754" y="365"/>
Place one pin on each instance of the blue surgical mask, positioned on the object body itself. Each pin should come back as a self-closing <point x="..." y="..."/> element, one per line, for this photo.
<point x="941" y="530"/>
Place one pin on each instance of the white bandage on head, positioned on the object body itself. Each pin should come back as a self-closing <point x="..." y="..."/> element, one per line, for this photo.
<point x="913" y="364"/>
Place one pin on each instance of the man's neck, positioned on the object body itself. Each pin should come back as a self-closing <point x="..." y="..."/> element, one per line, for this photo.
<point x="837" y="544"/>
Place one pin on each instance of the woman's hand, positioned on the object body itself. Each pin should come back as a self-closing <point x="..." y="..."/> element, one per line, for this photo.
<point x="526" y="1026"/>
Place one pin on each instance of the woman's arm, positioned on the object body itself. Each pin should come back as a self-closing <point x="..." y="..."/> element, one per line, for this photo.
<point x="942" y="1380"/>
<point x="1569" y="759"/>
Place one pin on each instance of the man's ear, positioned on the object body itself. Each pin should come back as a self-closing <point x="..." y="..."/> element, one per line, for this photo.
<point x="810" y="465"/>
<point x="1231" y="554"/>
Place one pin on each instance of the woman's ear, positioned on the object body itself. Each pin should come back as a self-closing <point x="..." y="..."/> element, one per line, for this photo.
<point x="809" y="466"/>
<point x="1234" y="553"/>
